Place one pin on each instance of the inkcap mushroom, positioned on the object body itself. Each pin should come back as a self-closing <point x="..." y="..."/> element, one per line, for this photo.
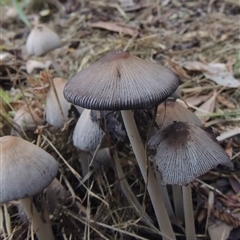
<point x="42" y="40"/>
<point x="25" y="171"/>
<point x="120" y="81"/>
<point x="57" y="107"/>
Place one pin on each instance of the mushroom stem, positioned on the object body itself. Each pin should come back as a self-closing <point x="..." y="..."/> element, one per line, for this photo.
<point x="188" y="213"/>
<point x="178" y="202"/>
<point x="57" y="98"/>
<point x="148" y="175"/>
<point x="127" y="191"/>
<point x="41" y="228"/>
<point x="84" y="161"/>
<point x="164" y="193"/>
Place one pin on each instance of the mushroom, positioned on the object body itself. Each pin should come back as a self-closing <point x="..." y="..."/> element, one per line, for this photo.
<point x="87" y="135"/>
<point x="42" y="40"/>
<point x="25" y="171"/>
<point x="25" y="119"/>
<point x="168" y="112"/>
<point x="184" y="152"/>
<point x="57" y="107"/>
<point x="120" y="81"/>
<point x="171" y="110"/>
<point x="176" y="94"/>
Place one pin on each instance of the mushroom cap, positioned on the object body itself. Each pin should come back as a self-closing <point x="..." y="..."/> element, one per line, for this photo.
<point x="171" y="110"/>
<point x="25" y="169"/>
<point x="120" y="81"/>
<point x="42" y="40"/>
<point x="25" y="121"/>
<point x="87" y="134"/>
<point x="52" y="111"/>
<point x="177" y="93"/>
<point x="185" y="152"/>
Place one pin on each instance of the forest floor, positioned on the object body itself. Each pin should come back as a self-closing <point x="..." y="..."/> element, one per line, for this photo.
<point x="198" y="40"/>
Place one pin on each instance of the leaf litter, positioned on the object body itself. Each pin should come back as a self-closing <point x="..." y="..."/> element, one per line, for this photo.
<point x="197" y="40"/>
<point x="216" y="72"/>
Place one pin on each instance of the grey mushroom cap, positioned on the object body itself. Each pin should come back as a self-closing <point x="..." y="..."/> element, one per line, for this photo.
<point x="87" y="133"/>
<point x="25" y="169"/>
<point x="171" y="110"/>
<point x="120" y="81"/>
<point x="52" y="110"/>
<point x="185" y="151"/>
<point x="42" y="40"/>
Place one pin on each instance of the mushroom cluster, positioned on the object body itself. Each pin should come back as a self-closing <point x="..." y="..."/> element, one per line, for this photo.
<point x="122" y="82"/>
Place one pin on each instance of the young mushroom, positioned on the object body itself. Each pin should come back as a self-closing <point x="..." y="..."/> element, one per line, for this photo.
<point x="25" y="171"/>
<point x="25" y="120"/>
<point x="184" y="152"/>
<point x="87" y="135"/>
<point x="171" y="110"/>
<point x="42" y="40"/>
<point x="167" y="113"/>
<point x="120" y="81"/>
<point x="57" y="107"/>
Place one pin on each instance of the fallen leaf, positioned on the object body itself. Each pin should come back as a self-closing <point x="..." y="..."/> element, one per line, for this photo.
<point x="216" y="72"/>
<point x="177" y="69"/>
<point x="117" y="27"/>
<point x="219" y="230"/>
<point x="127" y="3"/>
<point x="206" y="108"/>
<point x="196" y="100"/>
<point x="228" y="134"/>
<point x="225" y="102"/>
<point x="235" y="185"/>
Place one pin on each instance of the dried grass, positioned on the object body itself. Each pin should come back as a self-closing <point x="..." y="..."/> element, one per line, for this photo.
<point x="167" y="32"/>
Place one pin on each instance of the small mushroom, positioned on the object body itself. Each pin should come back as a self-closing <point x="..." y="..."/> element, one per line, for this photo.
<point x="171" y="110"/>
<point x="42" y="40"/>
<point x="87" y="133"/>
<point x="25" y="171"/>
<point x="25" y="120"/>
<point x="184" y="152"/>
<point x="120" y="81"/>
<point x="57" y="107"/>
<point x="167" y="113"/>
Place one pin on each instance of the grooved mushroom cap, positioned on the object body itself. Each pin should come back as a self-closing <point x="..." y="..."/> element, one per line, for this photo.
<point x="41" y="40"/>
<point x="120" y="81"/>
<point x="171" y="110"/>
<point x="185" y="152"/>
<point x="25" y="169"/>
<point x="87" y="134"/>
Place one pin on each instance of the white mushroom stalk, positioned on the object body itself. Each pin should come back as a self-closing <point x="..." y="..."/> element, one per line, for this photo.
<point x="188" y="213"/>
<point x="41" y="227"/>
<point x="148" y="175"/>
